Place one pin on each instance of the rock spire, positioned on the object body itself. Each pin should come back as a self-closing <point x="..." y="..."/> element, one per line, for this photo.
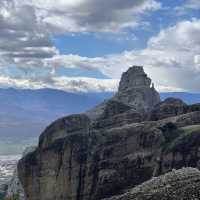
<point x="135" y="89"/>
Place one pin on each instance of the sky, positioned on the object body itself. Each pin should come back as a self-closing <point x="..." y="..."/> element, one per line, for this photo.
<point x="85" y="45"/>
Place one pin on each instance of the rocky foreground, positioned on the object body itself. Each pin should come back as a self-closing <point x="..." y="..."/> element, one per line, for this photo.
<point x="181" y="184"/>
<point x="117" y="146"/>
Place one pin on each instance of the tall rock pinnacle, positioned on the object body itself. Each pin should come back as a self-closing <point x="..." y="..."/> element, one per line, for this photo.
<point x="135" y="77"/>
<point x="137" y="90"/>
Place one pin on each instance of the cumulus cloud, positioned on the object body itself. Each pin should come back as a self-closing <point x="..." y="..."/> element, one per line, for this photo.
<point x="171" y="58"/>
<point x="175" y="51"/>
<point x="91" y="15"/>
<point x="23" y="39"/>
<point x="76" y="61"/>
<point x="190" y="5"/>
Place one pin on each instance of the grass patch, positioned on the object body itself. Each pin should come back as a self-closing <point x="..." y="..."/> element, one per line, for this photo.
<point x="190" y="129"/>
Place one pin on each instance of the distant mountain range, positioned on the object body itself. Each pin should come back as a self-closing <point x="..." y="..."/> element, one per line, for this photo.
<point x="25" y="113"/>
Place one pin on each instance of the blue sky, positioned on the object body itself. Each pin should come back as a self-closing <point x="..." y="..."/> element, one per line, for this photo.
<point x="85" y="45"/>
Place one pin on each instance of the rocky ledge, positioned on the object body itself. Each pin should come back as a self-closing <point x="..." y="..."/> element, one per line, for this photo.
<point x="114" y="147"/>
<point x="180" y="184"/>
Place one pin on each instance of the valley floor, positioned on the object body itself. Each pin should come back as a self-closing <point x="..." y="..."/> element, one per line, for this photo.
<point x="7" y="167"/>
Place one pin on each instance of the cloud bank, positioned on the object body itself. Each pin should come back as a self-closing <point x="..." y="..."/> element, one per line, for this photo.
<point x="68" y="84"/>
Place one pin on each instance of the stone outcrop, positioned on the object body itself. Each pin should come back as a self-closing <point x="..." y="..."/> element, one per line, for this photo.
<point x="129" y="140"/>
<point x="116" y="113"/>
<point x="137" y="90"/>
<point x="168" y="108"/>
<point x="181" y="184"/>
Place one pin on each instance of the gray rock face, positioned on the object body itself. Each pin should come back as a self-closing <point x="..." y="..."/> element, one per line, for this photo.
<point x="80" y="157"/>
<point x="61" y="128"/>
<point x="115" y="114"/>
<point x="14" y="188"/>
<point x="96" y="163"/>
<point x="135" y="90"/>
<point x="134" y="77"/>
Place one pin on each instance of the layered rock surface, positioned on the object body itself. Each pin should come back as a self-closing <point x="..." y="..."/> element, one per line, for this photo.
<point x="137" y="90"/>
<point x="130" y="139"/>
<point x="14" y="188"/>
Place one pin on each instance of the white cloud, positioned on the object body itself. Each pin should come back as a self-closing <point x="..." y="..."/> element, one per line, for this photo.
<point x="91" y="15"/>
<point x="76" y="61"/>
<point x="161" y="88"/>
<point x="23" y="39"/>
<point x="189" y="5"/>
<point x="171" y="58"/>
<point x="27" y="28"/>
<point x="69" y="84"/>
<point x="83" y="84"/>
<point x="193" y="4"/>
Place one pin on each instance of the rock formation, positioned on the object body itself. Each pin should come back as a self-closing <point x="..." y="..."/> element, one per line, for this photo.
<point x="168" y="108"/>
<point x="135" y="89"/>
<point x="116" y="146"/>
